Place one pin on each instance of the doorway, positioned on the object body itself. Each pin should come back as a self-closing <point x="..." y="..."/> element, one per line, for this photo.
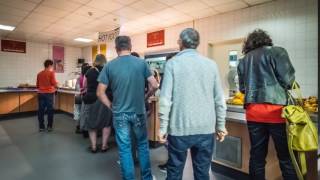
<point x="226" y="54"/>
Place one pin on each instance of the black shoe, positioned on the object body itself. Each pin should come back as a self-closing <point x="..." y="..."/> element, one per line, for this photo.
<point x="41" y="130"/>
<point x="49" y="129"/>
<point x="93" y="151"/>
<point x="163" y="167"/>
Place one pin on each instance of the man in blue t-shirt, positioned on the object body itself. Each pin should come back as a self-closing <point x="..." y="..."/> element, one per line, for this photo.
<point x="126" y="77"/>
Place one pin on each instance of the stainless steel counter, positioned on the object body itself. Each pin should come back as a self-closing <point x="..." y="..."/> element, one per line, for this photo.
<point x="236" y="114"/>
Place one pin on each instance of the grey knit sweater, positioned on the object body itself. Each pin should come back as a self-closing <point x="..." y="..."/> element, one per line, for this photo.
<point x="191" y="98"/>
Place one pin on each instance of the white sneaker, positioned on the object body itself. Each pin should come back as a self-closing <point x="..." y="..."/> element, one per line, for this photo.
<point x="119" y="162"/>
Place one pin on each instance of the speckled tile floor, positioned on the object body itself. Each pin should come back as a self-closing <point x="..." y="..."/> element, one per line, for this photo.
<point x="26" y="154"/>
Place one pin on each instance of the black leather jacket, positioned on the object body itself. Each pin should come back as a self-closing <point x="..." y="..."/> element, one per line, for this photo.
<point x="265" y="75"/>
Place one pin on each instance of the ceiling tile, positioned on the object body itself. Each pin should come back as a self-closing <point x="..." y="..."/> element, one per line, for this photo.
<point x="12" y="11"/>
<point x="66" y="22"/>
<point x="129" y="13"/>
<point x="191" y="6"/>
<point x="19" y="4"/>
<point x="125" y="2"/>
<point x="255" y="2"/>
<point x="230" y="6"/>
<point x="34" y="1"/>
<point x="49" y="11"/>
<point x="168" y="13"/>
<point x="9" y="23"/>
<point x="10" y="18"/>
<point x="171" y="2"/>
<point x="41" y="18"/>
<point x="28" y="28"/>
<point x="203" y="13"/>
<point x="105" y="5"/>
<point x="217" y="2"/>
<point x="20" y="35"/>
<point x="56" y="29"/>
<point x="148" y="6"/>
<point x="113" y="19"/>
<point x="77" y="18"/>
<point x="95" y="13"/>
<point x="81" y="1"/>
<point x="62" y="4"/>
<point x="36" y="24"/>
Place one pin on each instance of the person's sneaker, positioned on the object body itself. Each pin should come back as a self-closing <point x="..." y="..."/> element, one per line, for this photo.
<point x="154" y="177"/>
<point x="118" y="162"/>
<point x="49" y="129"/>
<point x="163" y="167"/>
<point x="41" y="130"/>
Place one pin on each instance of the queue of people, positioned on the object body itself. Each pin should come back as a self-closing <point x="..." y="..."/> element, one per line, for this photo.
<point x="192" y="105"/>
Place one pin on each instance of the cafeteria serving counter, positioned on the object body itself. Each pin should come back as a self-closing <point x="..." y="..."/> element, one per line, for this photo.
<point x="19" y="100"/>
<point x="234" y="152"/>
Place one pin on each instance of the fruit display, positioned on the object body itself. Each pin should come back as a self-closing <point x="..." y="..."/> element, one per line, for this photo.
<point x="238" y="99"/>
<point x="311" y="104"/>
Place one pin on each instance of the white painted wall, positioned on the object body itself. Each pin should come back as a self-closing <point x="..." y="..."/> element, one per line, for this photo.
<point x="292" y="24"/>
<point x="16" y="68"/>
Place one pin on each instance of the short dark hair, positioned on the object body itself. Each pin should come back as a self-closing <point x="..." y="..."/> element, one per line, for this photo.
<point x="84" y="68"/>
<point x="123" y="43"/>
<point x="48" y="63"/>
<point x="190" y="38"/>
<point x="256" y="39"/>
<point x="135" y="54"/>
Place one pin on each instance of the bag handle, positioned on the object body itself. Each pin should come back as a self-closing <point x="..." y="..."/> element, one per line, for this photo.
<point x="295" y="89"/>
<point x="293" y="157"/>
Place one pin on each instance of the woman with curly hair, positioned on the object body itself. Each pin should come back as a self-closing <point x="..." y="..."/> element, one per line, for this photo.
<point x="265" y="75"/>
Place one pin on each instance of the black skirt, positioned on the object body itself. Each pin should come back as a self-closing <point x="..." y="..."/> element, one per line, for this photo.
<point x="96" y="116"/>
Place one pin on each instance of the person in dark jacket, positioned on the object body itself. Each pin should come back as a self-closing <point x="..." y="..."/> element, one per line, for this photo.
<point x="265" y="76"/>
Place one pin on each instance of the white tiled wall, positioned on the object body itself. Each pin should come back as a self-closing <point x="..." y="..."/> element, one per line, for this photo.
<point x="292" y="24"/>
<point x="16" y="68"/>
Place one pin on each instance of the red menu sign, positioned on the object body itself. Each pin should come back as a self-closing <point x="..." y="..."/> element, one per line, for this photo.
<point x="13" y="46"/>
<point x="155" y="38"/>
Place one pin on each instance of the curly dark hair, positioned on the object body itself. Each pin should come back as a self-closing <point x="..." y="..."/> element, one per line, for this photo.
<point x="256" y="39"/>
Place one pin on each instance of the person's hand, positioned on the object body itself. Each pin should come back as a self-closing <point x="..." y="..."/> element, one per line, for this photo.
<point x="162" y="138"/>
<point x="220" y="135"/>
<point x="110" y="106"/>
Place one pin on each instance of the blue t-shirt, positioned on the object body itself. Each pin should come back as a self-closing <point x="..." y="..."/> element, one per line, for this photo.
<point x="126" y="76"/>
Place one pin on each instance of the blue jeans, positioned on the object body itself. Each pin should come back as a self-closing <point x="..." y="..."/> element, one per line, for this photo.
<point x="45" y="101"/>
<point x="124" y="123"/>
<point x="201" y="147"/>
<point x="259" y="134"/>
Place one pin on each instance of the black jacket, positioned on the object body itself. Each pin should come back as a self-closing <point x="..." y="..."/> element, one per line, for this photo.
<point x="265" y="75"/>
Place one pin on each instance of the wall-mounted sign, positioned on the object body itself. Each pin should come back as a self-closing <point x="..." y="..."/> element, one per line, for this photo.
<point x="108" y="36"/>
<point x="100" y="49"/>
<point x="155" y="38"/>
<point x="13" y="46"/>
<point x="58" y="58"/>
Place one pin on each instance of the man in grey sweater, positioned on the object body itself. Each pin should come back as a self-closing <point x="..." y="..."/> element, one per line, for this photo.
<point x="192" y="108"/>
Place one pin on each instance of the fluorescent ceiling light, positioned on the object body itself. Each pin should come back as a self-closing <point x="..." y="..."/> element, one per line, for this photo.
<point x="83" y="40"/>
<point x="7" y="28"/>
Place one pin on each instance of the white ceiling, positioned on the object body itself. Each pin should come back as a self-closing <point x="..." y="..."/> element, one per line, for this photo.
<point x="61" y="21"/>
